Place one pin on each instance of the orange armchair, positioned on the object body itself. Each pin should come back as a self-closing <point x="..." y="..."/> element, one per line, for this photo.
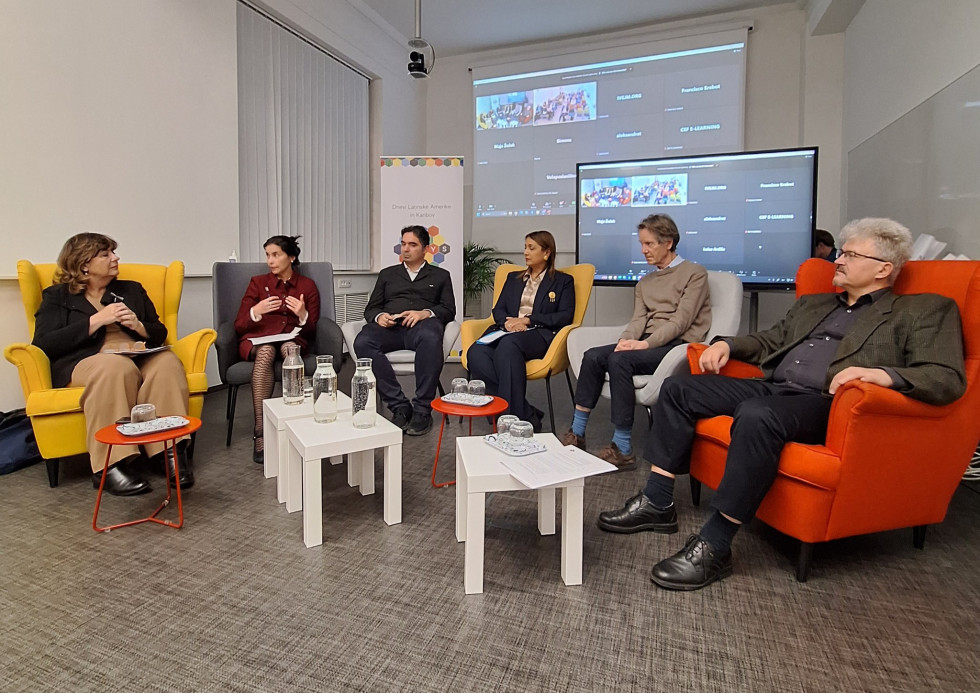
<point x="56" y="415"/>
<point x="869" y="475"/>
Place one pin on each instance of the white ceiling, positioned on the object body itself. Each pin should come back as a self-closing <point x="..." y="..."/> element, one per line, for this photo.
<point x="453" y="27"/>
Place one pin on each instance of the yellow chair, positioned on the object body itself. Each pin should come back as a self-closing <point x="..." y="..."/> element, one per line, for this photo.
<point x="556" y="359"/>
<point x="56" y="416"/>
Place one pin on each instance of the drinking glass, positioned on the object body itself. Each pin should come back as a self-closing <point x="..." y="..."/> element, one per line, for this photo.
<point x="460" y="386"/>
<point x="521" y="429"/>
<point x="504" y="423"/>
<point x="477" y="387"/>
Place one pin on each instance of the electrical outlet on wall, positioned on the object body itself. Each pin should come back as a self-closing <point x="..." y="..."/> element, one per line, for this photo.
<point x="344" y="283"/>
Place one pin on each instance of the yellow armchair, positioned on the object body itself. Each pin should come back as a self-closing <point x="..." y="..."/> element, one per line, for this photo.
<point x="56" y="415"/>
<point x="556" y="359"/>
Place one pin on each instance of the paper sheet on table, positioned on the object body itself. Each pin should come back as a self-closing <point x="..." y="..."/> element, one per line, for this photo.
<point x="491" y="338"/>
<point x="272" y="338"/>
<point x="555" y="466"/>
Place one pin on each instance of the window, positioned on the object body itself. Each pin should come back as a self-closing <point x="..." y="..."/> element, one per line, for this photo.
<point x="304" y="166"/>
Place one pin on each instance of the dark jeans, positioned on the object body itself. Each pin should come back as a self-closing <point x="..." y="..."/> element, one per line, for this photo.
<point x="621" y="366"/>
<point x="766" y="417"/>
<point x="502" y="365"/>
<point x="425" y="339"/>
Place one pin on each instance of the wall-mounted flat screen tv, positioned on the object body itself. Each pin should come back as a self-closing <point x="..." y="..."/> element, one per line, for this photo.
<point x="750" y="213"/>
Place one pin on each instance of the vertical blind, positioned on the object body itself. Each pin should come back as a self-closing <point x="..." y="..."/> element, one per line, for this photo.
<point x="303" y="147"/>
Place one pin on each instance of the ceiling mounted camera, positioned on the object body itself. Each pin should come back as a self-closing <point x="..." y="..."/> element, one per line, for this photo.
<point x="417" y="59"/>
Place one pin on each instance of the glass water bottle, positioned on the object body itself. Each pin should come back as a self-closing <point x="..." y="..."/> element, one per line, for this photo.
<point x="292" y="376"/>
<point x="324" y="390"/>
<point x="364" y="404"/>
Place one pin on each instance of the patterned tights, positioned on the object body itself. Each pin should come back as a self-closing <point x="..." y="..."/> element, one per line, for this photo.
<point x="263" y="382"/>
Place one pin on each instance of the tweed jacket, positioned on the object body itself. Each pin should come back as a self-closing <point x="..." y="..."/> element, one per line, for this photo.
<point x="62" y="325"/>
<point x="395" y="292"/>
<point x="554" y="303"/>
<point x="917" y="335"/>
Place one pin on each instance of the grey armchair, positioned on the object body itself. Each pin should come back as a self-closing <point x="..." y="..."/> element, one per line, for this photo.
<point x="725" y="291"/>
<point x="230" y="282"/>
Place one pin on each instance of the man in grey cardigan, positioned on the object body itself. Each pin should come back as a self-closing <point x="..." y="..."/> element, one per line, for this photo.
<point x="670" y="307"/>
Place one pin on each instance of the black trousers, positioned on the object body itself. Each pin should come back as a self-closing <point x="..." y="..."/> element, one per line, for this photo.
<point x="766" y="417"/>
<point x="502" y="365"/>
<point x="621" y="366"/>
<point x="425" y="339"/>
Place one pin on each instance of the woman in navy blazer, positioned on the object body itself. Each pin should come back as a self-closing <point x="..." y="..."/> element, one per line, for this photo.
<point x="533" y="305"/>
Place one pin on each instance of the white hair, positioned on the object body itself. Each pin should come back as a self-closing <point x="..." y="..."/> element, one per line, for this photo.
<point x="893" y="242"/>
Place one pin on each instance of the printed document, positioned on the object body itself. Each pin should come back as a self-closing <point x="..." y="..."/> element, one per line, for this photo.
<point x="272" y="338"/>
<point x="555" y="466"/>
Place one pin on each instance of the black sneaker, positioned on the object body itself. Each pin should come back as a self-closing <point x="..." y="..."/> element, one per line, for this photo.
<point x="402" y="417"/>
<point x="420" y="425"/>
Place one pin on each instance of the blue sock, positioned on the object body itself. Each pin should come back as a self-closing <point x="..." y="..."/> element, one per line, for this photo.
<point x="579" y="421"/>
<point x="623" y="439"/>
<point x="719" y="531"/>
<point x="660" y="490"/>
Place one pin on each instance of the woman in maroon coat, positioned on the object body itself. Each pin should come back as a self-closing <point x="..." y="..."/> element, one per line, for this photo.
<point x="275" y="303"/>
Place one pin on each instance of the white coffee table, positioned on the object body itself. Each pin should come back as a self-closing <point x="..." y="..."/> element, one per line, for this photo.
<point x="275" y="414"/>
<point x="308" y="442"/>
<point x="479" y="471"/>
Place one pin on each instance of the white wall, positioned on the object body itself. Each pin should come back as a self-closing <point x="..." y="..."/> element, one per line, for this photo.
<point x="113" y="27"/>
<point x="898" y="53"/>
<point x="792" y="99"/>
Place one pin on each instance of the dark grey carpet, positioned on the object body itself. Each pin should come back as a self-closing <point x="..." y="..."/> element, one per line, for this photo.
<point x="235" y="602"/>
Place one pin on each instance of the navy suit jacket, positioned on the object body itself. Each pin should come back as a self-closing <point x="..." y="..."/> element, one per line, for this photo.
<point x="554" y="304"/>
<point x="395" y="292"/>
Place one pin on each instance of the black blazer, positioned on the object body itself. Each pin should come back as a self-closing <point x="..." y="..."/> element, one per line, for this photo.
<point x="395" y="292"/>
<point x="62" y="323"/>
<point x="554" y="304"/>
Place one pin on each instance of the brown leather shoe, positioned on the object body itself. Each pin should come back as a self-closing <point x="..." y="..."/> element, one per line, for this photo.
<point x="612" y="454"/>
<point x="570" y="438"/>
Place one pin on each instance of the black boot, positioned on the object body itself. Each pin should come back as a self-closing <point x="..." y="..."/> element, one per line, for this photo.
<point x="185" y="476"/>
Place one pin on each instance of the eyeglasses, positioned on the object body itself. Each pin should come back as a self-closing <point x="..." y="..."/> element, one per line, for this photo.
<point x="851" y="255"/>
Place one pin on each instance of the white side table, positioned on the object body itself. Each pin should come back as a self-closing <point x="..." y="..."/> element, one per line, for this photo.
<point x="478" y="472"/>
<point x="275" y="414"/>
<point x="309" y="442"/>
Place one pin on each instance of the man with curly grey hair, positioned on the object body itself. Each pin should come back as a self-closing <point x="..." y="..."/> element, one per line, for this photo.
<point x="910" y="343"/>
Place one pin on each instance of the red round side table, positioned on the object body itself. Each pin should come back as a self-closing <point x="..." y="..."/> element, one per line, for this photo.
<point x="110" y="436"/>
<point x="497" y="406"/>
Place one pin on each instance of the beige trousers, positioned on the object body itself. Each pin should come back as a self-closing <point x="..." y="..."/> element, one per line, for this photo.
<point x="114" y="384"/>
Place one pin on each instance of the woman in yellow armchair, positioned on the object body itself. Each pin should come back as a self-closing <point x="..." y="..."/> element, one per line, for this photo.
<point x="87" y="314"/>
<point x="534" y="304"/>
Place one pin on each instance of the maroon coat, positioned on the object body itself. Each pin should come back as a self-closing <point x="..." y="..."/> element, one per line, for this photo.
<point x="282" y="320"/>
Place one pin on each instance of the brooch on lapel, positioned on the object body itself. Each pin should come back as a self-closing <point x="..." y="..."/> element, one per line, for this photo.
<point x="551" y="296"/>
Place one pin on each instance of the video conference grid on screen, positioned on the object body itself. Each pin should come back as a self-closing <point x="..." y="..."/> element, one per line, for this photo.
<point x="750" y="213"/>
<point x="533" y="128"/>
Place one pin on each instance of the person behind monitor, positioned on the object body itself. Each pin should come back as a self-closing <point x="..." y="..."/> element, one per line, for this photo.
<point x="824" y="246"/>
<point x="533" y="305"/>
<point x="275" y="303"/>
<point x="409" y="308"/>
<point x="87" y="314"/>
<point x="910" y="343"/>
<point x="670" y="307"/>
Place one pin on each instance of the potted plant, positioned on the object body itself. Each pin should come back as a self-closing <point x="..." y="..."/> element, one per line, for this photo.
<point x="479" y="265"/>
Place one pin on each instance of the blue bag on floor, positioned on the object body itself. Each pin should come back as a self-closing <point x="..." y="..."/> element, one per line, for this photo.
<point x="18" y="449"/>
